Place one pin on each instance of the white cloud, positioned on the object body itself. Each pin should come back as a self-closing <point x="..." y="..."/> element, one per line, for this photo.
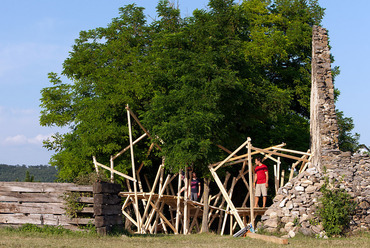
<point x="15" y="140"/>
<point x="21" y="139"/>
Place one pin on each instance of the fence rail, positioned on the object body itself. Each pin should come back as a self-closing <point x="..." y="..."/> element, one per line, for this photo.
<point x="42" y="204"/>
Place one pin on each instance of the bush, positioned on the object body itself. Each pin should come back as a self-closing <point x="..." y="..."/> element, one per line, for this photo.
<point x="336" y="208"/>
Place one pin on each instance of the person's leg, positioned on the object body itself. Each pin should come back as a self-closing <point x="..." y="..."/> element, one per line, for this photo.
<point x="264" y="201"/>
<point x="257" y="194"/>
<point x="256" y="198"/>
<point x="264" y="194"/>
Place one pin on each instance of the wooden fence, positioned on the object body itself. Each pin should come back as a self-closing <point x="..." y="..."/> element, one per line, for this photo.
<point x="43" y="204"/>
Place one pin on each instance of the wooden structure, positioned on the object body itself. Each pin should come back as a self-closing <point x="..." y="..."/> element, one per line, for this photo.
<point x="42" y="204"/>
<point x="163" y="209"/>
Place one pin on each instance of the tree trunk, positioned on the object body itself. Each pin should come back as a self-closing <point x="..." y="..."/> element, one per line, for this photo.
<point x="206" y="206"/>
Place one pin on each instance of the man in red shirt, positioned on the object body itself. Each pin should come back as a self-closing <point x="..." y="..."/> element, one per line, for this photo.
<point x="260" y="182"/>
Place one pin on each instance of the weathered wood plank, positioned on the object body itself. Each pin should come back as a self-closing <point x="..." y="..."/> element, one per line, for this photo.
<point x="42" y="187"/>
<point x="31" y="197"/>
<point x="39" y="197"/>
<point x="32" y="208"/>
<point x="43" y="219"/>
<point x="266" y="238"/>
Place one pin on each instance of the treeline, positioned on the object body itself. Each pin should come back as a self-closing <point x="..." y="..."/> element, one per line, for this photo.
<point x="38" y="173"/>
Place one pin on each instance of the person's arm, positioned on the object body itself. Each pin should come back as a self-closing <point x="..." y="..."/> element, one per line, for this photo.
<point x="255" y="180"/>
<point x="267" y="178"/>
<point x="199" y="188"/>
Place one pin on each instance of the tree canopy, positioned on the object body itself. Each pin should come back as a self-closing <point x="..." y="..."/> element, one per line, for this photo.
<point x="224" y="74"/>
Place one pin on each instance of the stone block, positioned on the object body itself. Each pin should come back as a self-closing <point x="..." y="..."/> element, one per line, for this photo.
<point x="103" y="187"/>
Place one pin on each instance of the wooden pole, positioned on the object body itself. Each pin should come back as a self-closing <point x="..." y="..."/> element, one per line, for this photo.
<point x="136" y="206"/>
<point x="231" y="155"/>
<point x="178" y="202"/>
<point x="225" y="195"/>
<point x="141" y="126"/>
<point x="112" y="167"/>
<point x="114" y="171"/>
<point x="282" y="178"/>
<point x="291" y="151"/>
<point x="152" y="192"/>
<point x="128" y="147"/>
<point x="251" y="195"/>
<point x="280" y="154"/>
<point x="96" y="165"/>
<point x="278" y="172"/>
<point x="186" y="197"/>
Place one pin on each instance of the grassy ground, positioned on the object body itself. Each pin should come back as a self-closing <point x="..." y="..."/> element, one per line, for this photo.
<point x="31" y="238"/>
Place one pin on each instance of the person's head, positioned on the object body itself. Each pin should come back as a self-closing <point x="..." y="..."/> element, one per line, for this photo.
<point x="258" y="160"/>
<point x="194" y="175"/>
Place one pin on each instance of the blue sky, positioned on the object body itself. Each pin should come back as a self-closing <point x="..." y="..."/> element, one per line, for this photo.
<point x="37" y="35"/>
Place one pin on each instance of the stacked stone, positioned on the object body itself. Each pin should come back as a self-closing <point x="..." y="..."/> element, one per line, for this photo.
<point x="107" y="207"/>
<point x="324" y="128"/>
<point x="295" y="205"/>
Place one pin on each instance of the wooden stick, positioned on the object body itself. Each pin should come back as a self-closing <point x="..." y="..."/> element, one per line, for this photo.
<point x="248" y="188"/>
<point x="231" y="225"/>
<point x="228" y="200"/>
<point x="291" y="151"/>
<point x="147" y="182"/>
<point x="251" y="195"/>
<point x="116" y="172"/>
<point x="282" y="178"/>
<point x="128" y="147"/>
<point x="231" y="155"/>
<point x="186" y="211"/>
<point x="112" y="167"/>
<point x="141" y="126"/>
<point x="160" y="195"/>
<point x="136" y="206"/>
<point x="164" y="218"/>
<point x="96" y="165"/>
<point x="279" y="154"/>
<point x="272" y="239"/>
<point x="225" y="149"/>
<point x="147" y="155"/>
<point x="130" y="218"/>
<point x="278" y="171"/>
<point x="228" y="207"/>
<point x="254" y="153"/>
<point x="152" y="192"/>
<point x="178" y="202"/>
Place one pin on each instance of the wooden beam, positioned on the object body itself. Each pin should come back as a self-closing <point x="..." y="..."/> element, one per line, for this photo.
<point x="225" y="195"/>
<point x="231" y="155"/>
<point x="128" y="147"/>
<point x="141" y="126"/>
<point x="114" y="171"/>
<point x="244" y="157"/>
<point x="272" y="239"/>
<point x="251" y="195"/>
<point x="279" y="154"/>
<point x="291" y="151"/>
<point x="136" y="205"/>
<point x="152" y="192"/>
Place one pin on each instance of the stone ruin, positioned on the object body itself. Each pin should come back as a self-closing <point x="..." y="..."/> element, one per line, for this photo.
<point x="295" y="204"/>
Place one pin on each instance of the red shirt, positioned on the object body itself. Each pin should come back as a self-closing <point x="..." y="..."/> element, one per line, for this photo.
<point x="260" y="171"/>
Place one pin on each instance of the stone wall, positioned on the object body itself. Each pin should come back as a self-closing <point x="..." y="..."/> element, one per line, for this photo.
<point x="295" y="205"/>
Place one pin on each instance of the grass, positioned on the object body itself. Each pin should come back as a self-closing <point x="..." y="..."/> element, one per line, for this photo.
<point x="33" y="237"/>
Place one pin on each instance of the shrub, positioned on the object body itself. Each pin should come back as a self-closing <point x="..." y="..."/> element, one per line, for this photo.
<point x="336" y="208"/>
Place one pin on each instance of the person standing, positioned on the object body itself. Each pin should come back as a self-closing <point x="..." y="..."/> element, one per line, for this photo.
<point x="195" y="187"/>
<point x="260" y="182"/>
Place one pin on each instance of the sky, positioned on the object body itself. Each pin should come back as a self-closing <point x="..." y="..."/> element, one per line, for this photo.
<point x="36" y="37"/>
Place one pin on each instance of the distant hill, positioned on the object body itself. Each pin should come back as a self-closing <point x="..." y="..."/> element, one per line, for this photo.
<point x="41" y="173"/>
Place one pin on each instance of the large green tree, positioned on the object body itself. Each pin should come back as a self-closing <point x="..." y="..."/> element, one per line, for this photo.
<point x="217" y="77"/>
